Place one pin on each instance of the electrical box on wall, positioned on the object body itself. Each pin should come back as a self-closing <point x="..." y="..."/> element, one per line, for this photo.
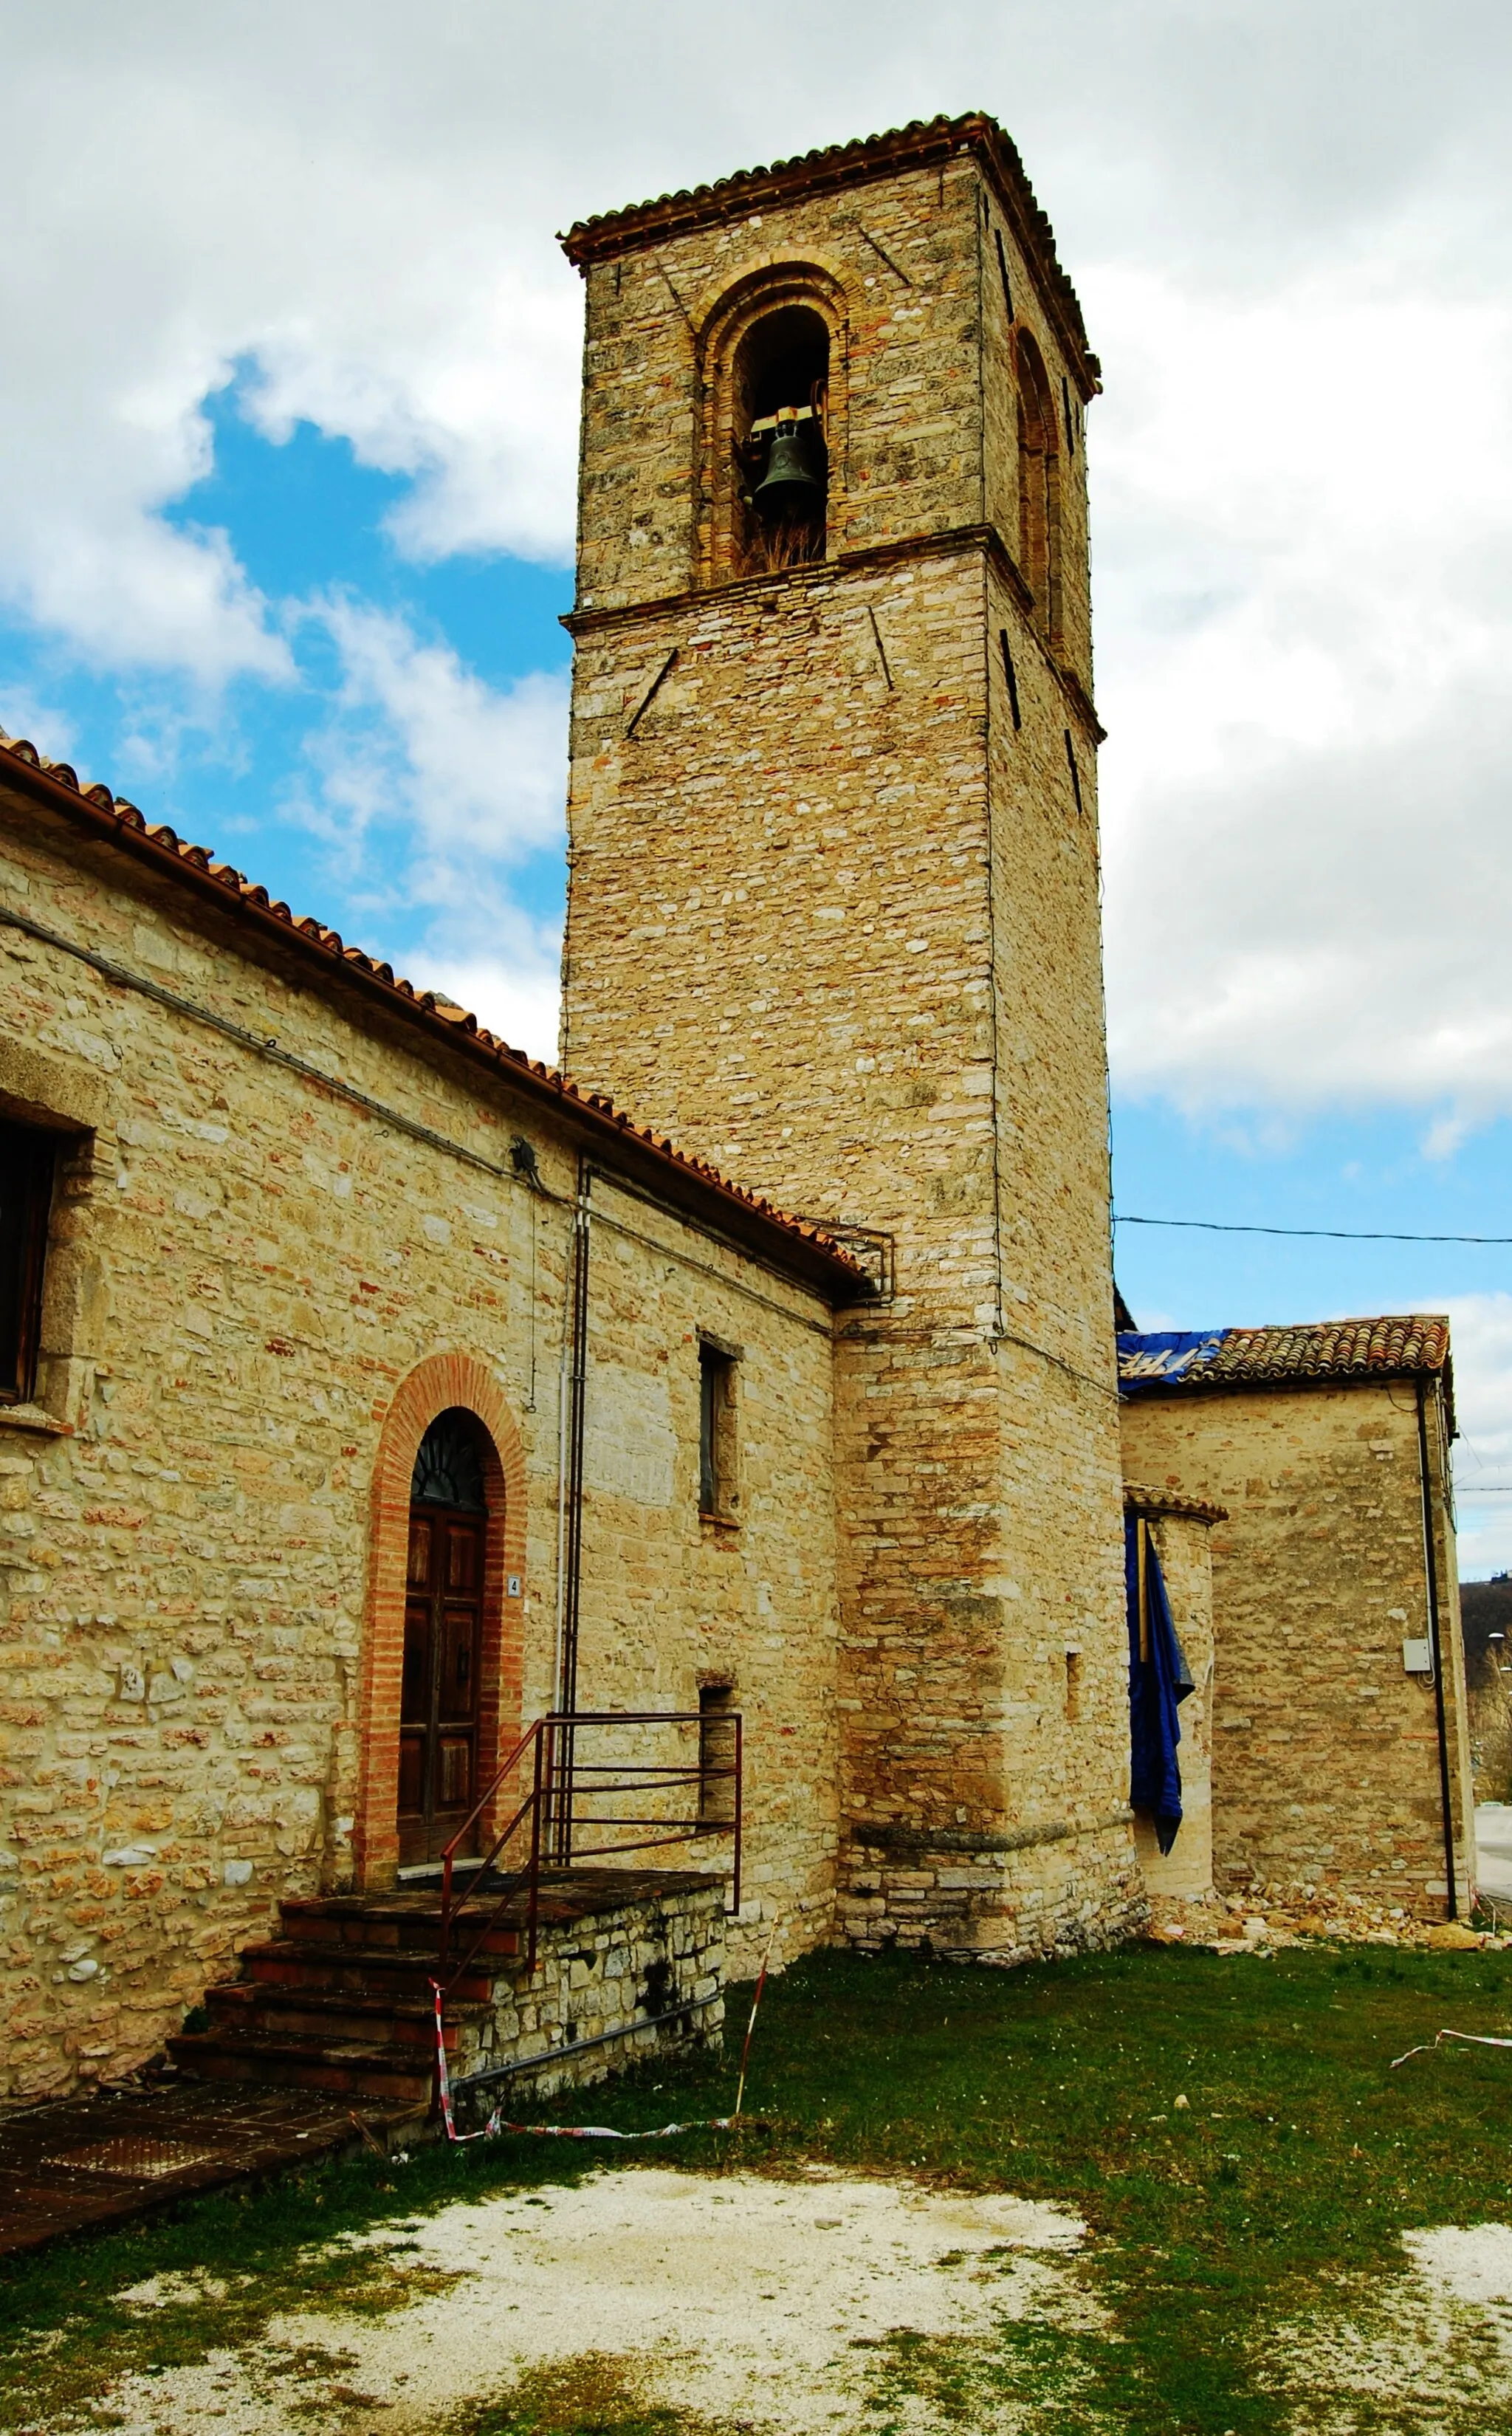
<point x="1418" y="1657"/>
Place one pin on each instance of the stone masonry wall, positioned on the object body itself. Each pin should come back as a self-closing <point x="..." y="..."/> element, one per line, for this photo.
<point x="1325" y="1750"/>
<point x="833" y="920"/>
<point x="601" y="1979"/>
<point x="245" y="1270"/>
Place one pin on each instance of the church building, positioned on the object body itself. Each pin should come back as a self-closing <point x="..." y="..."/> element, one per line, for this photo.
<point x="745" y="1394"/>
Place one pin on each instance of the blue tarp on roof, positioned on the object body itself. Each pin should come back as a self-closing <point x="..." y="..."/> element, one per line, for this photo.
<point x="1149" y="1357"/>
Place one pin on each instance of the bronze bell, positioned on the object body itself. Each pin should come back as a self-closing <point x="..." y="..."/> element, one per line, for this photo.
<point x="789" y="485"/>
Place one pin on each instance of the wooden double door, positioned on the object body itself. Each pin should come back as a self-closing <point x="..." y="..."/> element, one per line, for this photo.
<point x="438" y="1695"/>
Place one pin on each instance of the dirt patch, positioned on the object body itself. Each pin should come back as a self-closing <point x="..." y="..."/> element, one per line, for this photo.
<point x="688" y="2303"/>
<point x="1427" y="2352"/>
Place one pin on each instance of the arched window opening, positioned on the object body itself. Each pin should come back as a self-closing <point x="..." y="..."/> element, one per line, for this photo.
<point x="449" y="1466"/>
<point x="439" y="1700"/>
<point x="1039" y="488"/>
<point x="780" y="437"/>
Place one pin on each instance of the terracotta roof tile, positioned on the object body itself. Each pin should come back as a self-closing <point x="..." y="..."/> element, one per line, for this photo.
<point x="112" y="816"/>
<point x="1138" y="1498"/>
<point x="921" y="144"/>
<point x="1392" y="1347"/>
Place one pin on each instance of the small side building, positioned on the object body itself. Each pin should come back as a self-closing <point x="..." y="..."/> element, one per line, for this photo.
<point x="1340" y="1747"/>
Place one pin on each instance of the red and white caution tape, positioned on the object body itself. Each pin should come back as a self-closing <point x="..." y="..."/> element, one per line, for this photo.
<point x="1469" y="2038"/>
<point x="750" y="2028"/>
<point x="601" y="2131"/>
<point x="496" y="2124"/>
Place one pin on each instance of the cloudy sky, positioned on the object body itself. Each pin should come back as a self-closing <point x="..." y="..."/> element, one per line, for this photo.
<point x="288" y="408"/>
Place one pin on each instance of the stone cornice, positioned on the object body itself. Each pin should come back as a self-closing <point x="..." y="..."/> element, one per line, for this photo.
<point x="954" y="543"/>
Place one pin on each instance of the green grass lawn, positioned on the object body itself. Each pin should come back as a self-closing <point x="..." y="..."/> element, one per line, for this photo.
<point x="1278" y="2192"/>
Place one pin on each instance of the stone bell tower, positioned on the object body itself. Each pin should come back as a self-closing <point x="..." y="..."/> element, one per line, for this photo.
<point x="833" y="924"/>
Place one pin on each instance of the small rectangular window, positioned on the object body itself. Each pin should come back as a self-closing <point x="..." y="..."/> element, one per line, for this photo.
<point x="716" y="1754"/>
<point x="718" y="1494"/>
<point x="27" y="1159"/>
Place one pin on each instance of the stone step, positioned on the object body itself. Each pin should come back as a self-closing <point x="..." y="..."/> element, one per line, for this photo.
<point x="355" y="2068"/>
<point x="334" y="2014"/>
<point x="405" y="1926"/>
<point x="375" y="1971"/>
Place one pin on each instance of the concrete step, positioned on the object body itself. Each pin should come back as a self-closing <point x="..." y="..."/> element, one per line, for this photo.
<point x="355" y="2069"/>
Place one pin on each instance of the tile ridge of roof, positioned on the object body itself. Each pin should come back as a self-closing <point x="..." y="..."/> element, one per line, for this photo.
<point x="1351" y="1320"/>
<point x="314" y="934"/>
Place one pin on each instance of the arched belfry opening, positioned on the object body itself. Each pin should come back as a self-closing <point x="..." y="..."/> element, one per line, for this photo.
<point x="780" y="403"/>
<point x="440" y="1687"/>
<point x="1039" y="537"/>
<point x="773" y="376"/>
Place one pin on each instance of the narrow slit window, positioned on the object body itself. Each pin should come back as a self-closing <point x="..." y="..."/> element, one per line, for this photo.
<point x="1070" y="418"/>
<point x="718" y="1494"/>
<point x="1013" y="681"/>
<point x="1002" y="268"/>
<point x="1076" y="776"/>
<point x="28" y="1159"/>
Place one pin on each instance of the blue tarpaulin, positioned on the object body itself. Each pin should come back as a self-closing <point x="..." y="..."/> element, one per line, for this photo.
<point x="1159" y="1680"/>
<point x="1149" y="1357"/>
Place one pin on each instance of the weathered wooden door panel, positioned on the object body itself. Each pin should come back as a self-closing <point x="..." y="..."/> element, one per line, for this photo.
<point x="438" y="1709"/>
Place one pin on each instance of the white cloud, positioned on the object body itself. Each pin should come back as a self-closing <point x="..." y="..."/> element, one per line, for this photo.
<point x="25" y="712"/>
<point x="1310" y="611"/>
<point x="1482" y="1336"/>
<point x="430" y="790"/>
<point x="518" y="1000"/>
<point x="1290" y="224"/>
<point x="473" y="773"/>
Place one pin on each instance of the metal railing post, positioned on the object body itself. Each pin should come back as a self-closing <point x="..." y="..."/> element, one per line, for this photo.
<point x="740" y="1806"/>
<point x="535" y="1861"/>
<point x="551" y="1805"/>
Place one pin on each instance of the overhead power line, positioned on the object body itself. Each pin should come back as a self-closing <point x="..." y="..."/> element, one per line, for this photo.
<point x="1334" y="1234"/>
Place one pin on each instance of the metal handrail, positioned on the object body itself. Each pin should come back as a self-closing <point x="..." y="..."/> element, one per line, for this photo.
<point x="550" y="1809"/>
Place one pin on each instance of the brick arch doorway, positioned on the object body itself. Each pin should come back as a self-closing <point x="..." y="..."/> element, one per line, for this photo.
<point x="452" y="1586"/>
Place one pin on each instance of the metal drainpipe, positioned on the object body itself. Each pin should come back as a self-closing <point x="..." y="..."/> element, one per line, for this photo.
<point x="572" y="1553"/>
<point x="1435" y="1649"/>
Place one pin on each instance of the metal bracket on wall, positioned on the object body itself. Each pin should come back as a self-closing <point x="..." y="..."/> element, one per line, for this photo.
<point x="650" y="693"/>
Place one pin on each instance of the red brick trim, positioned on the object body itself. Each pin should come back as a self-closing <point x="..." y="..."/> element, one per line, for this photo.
<point x="433" y="1386"/>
